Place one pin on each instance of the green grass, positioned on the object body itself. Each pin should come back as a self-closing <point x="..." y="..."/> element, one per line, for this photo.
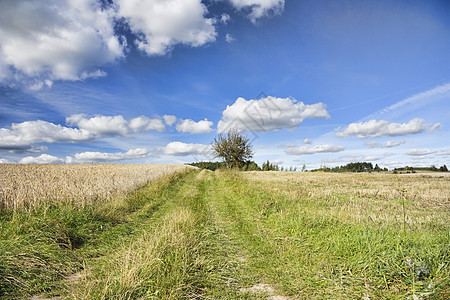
<point x="217" y="235"/>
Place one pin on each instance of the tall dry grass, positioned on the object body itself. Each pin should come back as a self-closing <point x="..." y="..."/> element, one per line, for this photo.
<point x="361" y="197"/>
<point x="29" y="186"/>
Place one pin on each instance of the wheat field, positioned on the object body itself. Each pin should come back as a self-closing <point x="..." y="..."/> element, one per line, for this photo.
<point x="29" y="186"/>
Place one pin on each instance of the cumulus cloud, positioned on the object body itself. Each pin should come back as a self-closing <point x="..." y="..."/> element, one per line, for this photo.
<point x="268" y="114"/>
<point x="114" y="125"/>
<point x="374" y="128"/>
<point x="183" y="149"/>
<point x="23" y="135"/>
<point x="56" y="40"/>
<point x="191" y="126"/>
<point x="100" y="125"/>
<point x="259" y="8"/>
<point x="307" y="141"/>
<point x="5" y="161"/>
<point x="169" y="119"/>
<point x="314" y="149"/>
<point x="225" y="18"/>
<point x="388" y="144"/>
<point x="99" y="157"/>
<point x="42" y="159"/>
<point x="420" y="152"/>
<point x="159" y="25"/>
<point x="229" y="38"/>
<point x="144" y="123"/>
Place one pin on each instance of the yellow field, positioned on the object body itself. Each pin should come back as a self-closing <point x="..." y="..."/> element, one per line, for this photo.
<point x="360" y="197"/>
<point x="28" y="186"/>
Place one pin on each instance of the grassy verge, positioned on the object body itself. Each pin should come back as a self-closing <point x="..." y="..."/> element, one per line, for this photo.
<point x="40" y="249"/>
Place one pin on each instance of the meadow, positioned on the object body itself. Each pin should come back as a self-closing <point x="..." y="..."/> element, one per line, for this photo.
<point x="192" y="234"/>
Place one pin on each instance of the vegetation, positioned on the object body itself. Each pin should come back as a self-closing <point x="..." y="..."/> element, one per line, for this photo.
<point x="237" y="235"/>
<point x="209" y="165"/>
<point x="28" y="187"/>
<point x="433" y="168"/>
<point x="234" y="148"/>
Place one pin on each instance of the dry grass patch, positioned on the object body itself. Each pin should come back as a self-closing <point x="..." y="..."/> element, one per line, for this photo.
<point x="384" y="199"/>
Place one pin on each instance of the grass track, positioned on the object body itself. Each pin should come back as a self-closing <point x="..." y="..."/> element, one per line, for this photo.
<point x="220" y="236"/>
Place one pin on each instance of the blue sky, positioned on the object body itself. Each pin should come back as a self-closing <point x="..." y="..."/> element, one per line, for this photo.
<point x="309" y="82"/>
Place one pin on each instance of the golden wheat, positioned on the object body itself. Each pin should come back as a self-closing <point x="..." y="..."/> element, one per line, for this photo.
<point x="28" y="186"/>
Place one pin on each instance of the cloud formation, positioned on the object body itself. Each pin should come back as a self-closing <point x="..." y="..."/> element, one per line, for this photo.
<point x="420" y="152"/>
<point x="159" y="25"/>
<point x="42" y="159"/>
<point x="259" y="8"/>
<point x="374" y="128"/>
<point x="169" y="119"/>
<point x="229" y="38"/>
<point x="191" y="126"/>
<point x="268" y="114"/>
<point x="23" y="135"/>
<point x="388" y="144"/>
<point x="115" y="125"/>
<point x="314" y="149"/>
<point x="44" y="41"/>
<point x="51" y="40"/>
<point x="99" y="157"/>
<point x="183" y="149"/>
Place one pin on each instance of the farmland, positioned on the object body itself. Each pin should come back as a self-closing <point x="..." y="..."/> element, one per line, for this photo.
<point x="231" y="235"/>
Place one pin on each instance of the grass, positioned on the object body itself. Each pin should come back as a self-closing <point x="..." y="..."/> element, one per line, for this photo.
<point x="226" y="235"/>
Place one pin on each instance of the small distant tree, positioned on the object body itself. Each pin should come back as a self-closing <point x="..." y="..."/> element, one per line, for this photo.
<point x="234" y="148"/>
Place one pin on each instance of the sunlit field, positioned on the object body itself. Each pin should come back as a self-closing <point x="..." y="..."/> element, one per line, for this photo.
<point x="29" y="186"/>
<point x="224" y="235"/>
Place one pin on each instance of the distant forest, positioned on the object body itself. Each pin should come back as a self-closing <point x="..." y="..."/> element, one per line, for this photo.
<point x="350" y="167"/>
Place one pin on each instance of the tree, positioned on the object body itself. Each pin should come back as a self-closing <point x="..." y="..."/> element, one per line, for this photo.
<point x="234" y="148"/>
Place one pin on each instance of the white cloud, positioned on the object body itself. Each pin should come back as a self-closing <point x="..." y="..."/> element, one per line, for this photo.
<point x="225" y="18"/>
<point x="5" y="161"/>
<point x="420" y="152"/>
<point x="42" y="159"/>
<point x="259" y="8"/>
<point x="98" y="157"/>
<point x="23" y="135"/>
<point x="388" y="144"/>
<point x="307" y="141"/>
<point x="169" y="119"/>
<point x="144" y="123"/>
<point x="268" y="114"/>
<point x="374" y="128"/>
<point x="114" y="125"/>
<point x="314" y="149"/>
<point x="229" y="38"/>
<point x="55" y="40"/>
<point x="160" y="25"/>
<point x="191" y="126"/>
<point x="183" y="149"/>
<point x="100" y="125"/>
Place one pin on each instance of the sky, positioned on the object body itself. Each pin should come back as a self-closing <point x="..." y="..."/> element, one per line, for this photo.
<point x="314" y="83"/>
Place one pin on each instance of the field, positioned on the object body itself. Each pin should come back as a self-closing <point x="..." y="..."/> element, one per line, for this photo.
<point x="232" y="235"/>
<point x="30" y="186"/>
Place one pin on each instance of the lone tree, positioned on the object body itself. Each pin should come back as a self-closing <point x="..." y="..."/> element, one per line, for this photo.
<point x="234" y="148"/>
